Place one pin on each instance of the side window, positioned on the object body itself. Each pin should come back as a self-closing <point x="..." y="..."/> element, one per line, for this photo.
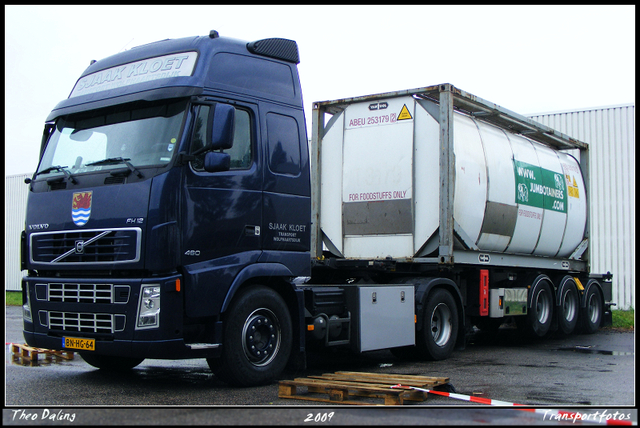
<point x="199" y="137"/>
<point x="284" y="144"/>
<point x="241" y="152"/>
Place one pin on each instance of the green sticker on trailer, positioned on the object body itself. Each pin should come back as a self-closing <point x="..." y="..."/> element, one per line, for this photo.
<point x="539" y="187"/>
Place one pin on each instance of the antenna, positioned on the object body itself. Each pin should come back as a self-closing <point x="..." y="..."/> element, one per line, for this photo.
<point x="124" y="47"/>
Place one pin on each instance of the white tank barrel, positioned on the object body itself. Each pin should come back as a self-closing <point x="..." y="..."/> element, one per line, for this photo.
<point x="381" y="182"/>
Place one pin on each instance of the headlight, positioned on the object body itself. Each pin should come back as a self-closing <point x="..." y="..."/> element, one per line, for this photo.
<point x="26" y="307"/>
<point x="149" y="307"/>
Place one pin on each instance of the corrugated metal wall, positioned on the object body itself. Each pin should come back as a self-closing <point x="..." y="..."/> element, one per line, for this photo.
<point x="610" y="133"/>
<point x="15" y="205"/>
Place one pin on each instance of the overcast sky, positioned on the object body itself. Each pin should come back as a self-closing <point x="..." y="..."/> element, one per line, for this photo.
<point x="529" y="59"/>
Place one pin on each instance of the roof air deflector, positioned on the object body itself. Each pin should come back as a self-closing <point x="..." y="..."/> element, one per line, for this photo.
<point x="283" y="49"/>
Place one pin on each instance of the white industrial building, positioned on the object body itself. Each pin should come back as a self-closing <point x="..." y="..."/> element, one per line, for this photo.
<point x="15" y="207"/>
<point x="610" y="133"/>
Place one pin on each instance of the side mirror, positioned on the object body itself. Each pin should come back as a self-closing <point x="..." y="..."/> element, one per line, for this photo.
<point x="216" y="162"/>
<point x="223" y="126"/>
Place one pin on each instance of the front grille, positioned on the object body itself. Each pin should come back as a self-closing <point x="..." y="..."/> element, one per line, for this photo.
<point x="85" y="322"/>
<point x="73" y="292"/>
<point x="87" y="246"/>
<point x="81" y="293"/>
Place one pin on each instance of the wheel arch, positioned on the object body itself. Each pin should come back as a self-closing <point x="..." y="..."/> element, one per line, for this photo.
<point x="268" y="274"/>
<point x="537" y="283"/>
<point x="559" y="284"/>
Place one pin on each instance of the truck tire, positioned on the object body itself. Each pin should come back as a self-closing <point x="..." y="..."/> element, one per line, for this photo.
<point x="257" y="339"/>
<point x="540" y="315"/>
<point x="591" y="316"/>
<point x="109" y="363"/>
<point x="439" y="332"/>
<point x="568" y="307"/>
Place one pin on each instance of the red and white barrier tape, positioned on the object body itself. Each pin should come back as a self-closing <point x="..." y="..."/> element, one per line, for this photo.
<point x="560" y="415"/>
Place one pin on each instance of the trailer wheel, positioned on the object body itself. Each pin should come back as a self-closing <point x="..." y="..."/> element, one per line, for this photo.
<point x="568" y="308"/>
<point x="592" y="313"/>
<point x="540" y="315"/>
<point x="109" y="363"/>
<point x="257" y="339"/>
<point x="440" y="329"/>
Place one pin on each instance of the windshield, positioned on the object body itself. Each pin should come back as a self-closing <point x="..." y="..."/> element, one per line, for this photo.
<point x="90" y="141"/>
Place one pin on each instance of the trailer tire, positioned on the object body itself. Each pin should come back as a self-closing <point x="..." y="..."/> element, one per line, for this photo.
<point x="540" y="315"/>
<point x="568" y="307"/>
<point x="437" y="338"/>
<point x="110" y="363"/>
<point x="257" y="339"/>
<point x="591" y="315"/>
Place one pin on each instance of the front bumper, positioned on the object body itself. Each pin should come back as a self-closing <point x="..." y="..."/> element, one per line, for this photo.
<point x="107" y="310"/>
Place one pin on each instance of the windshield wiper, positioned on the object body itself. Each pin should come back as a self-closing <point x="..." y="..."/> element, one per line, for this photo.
<point x="57" y="168"/>
<point x="111" y="161"/>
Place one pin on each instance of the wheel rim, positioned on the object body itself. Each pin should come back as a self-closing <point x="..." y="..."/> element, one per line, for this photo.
<point x="441" y="324"/>
<point x="569" y="305"/>
<point x="543" y="306"/>
<point x="261" y="337"/>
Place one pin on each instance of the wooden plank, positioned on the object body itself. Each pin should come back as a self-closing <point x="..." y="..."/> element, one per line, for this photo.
<point x="326" y="400"/>
<point x="319" y="385"/>
<point x="286" y="390"/>
<point x="392" y="377"/>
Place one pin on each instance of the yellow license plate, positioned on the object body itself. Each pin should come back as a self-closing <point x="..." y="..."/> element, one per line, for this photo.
<point x="78" y="343"/>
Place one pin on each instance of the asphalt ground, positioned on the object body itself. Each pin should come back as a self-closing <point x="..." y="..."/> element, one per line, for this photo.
<point x="589" y="374"/>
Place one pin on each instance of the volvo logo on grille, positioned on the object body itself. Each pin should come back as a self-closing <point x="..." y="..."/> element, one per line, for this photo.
<point x="79" y="246"/>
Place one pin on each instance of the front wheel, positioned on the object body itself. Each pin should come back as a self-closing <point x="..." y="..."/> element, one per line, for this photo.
<point x="440" y="330"/>
<point x="257" y="339"/>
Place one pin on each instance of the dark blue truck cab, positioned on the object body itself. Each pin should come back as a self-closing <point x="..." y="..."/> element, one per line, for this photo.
<point x="171" y="207"/>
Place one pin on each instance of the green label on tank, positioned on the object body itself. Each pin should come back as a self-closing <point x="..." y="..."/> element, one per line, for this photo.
<point x="539" y="187"/>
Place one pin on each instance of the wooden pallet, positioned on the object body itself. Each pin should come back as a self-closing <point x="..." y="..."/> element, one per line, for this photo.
<point x="30" y="353"/>
<point x="341" y="386"/>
